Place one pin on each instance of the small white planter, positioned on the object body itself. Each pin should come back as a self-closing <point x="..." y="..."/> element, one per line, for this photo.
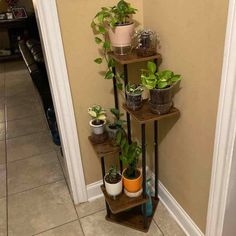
<point x="97" y="129"/>
<point x="113" y="189"/>
<point x="121" y="37"/>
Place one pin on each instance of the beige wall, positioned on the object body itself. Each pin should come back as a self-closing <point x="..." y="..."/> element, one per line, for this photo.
<point x="192" y="38"/>
<point x="87" y="86"/>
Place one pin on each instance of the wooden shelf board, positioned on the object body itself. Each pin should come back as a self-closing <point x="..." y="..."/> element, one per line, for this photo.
<point x="145" y="115"/>
<point x="133" y="58"/>
<point x="122" y="202"/>
<point x="133" y="218"/>
<point x="104" y="149"/>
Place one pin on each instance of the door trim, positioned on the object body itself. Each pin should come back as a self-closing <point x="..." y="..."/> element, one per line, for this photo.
<point x="48" y="24"/>
<point x="225" y="131"/>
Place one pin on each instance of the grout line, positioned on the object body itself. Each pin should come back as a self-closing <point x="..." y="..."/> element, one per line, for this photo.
<point x="158" y="226"/>
<point x="42" y="185"/>
<point x="28" y="157"/>
<point x="69" y="189"/>
<point x="5" y="110"/>
<point x="55" y="227"/>
<point x="95" y="212"/>
<point x="37" y="132"/>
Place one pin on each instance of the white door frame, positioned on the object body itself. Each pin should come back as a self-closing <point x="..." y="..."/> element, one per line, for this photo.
<point x="49" y="28"/>
<point x="225" y="131"/>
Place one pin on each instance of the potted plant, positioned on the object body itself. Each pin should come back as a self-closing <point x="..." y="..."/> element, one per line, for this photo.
<point x="113" y="182"/>
<point x="160" y="85"/>
<point x="132" y="176"/>
<point x="98" y="121"/>
<point x="117" y="125"/>
<point x="113" y="28"/>
<point x="134" y="96"/>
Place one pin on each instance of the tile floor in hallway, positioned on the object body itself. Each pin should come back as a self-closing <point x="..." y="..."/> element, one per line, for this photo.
<point x="34" y="197"/>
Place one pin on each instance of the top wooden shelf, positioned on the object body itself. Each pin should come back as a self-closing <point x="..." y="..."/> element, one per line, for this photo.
<point x="133" y="58"/>
<point x="104" y="149"/>
<point x="145" y="115"/>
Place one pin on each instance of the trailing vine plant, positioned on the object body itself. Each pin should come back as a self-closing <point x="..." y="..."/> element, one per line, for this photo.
<point x="110" y="17"/>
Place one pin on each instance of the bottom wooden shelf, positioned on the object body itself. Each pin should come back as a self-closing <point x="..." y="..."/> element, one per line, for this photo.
<point x="122" y="202"/>
<point x="133" y="218"/>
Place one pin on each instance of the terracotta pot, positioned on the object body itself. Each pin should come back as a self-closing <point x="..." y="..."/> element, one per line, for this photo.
<point x="160" y="100"/>
<point x="132" y="185"/>
<point x="121" y="37"/>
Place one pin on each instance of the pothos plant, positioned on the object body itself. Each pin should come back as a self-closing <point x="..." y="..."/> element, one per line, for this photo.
<point x="118" y="122"/>
<point x="130" y="153"/>
<point x="152" y="79"/>
<point x="134" y="89"/>
<point x="110" y="17"/>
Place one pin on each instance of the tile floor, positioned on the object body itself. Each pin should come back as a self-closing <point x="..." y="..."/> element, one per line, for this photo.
<point x="34" y="197"/>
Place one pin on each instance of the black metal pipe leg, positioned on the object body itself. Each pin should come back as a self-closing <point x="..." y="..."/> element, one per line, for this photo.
<point x="103" y="175"/>
<point x="156" y="157"/>
<point x="115" y="88"/>
<point x="144" y="172"/>
<point x="103" y="168"/>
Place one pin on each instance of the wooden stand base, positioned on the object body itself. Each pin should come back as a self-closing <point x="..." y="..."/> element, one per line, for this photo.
<point x="133" y="218"/>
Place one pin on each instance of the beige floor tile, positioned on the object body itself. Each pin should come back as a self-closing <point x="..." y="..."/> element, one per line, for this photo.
<point x="2" y="131"/>
<point x="2" y="181"/>
<point x="29" y="145"/>
<point x="33" y="172"/>
<point x="26" y="126"/>
<point x="23" y="90"/>
<point x="23" y="111"/>
<point x="88" y="208"/>
<point x="19" y="80"/>
<point x="2" y="152"/>
<point x="2" y="102"/>
<point x="40" y="209"/>
<point x="15" y="67"/>
<point x="96" y="224"/>
<point x="166" y="223"/>
<point x="3" y="217"/>
<point x="14" y="101"/>
<point x="70" y="229"/>
<point x="2" y="115"/>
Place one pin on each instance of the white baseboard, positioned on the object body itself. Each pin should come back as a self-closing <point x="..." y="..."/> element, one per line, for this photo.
<point x="177" y="212"/>
<point x="94" y="190"/>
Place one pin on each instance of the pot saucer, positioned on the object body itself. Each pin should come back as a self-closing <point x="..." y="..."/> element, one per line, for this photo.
<point x="135" y="194"/>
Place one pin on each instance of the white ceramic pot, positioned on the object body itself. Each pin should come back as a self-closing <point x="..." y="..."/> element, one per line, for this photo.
<point x="97" y="129"/>
<point x="121" y="37"/>
<point x="113" y="189"/>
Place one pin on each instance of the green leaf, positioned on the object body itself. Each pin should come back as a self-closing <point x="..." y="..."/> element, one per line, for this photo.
<point x="93" y="25"/>
<point x="109" y="75"/>
<point x="111" y="62"/>
<point x="101" y="29"/>
<point x="98" y="40"/>
<point x="152" y="67"/>
<point x="118" y="137"/>
<point x="119" y="86"/>
<point x="98" y="60"/>
<point x="162" y="84"/>
<point x="106" y="45"/>
<point x="175" y="78"/>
